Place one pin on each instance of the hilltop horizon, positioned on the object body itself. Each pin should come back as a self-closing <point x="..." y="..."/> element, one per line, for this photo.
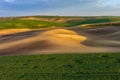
<point x="62" y="16"/>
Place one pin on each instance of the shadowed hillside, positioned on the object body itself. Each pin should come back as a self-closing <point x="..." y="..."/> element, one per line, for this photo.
<point x="52" y="34"/>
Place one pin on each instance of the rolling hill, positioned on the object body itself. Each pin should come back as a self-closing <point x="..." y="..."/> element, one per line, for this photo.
<point x="34" y="22"/>
<point x="57" y="39"/>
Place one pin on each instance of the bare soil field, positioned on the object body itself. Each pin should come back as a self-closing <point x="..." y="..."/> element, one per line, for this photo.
<point x="69" y="40"/>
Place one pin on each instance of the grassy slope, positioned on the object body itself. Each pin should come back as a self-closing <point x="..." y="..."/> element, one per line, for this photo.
<point x="94" y="20"/>
<point x="8" y="23"/>
<point x="61" y="67"/>
<point x="27" y="24"/>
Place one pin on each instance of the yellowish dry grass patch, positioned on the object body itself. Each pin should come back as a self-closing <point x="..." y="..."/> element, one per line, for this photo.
<point x="12" y="31"/>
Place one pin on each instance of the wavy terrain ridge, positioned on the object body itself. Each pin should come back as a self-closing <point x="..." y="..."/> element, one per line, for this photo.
<point x="102" y="39"/>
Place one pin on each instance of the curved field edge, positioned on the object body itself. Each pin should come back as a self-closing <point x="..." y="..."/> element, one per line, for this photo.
<point x="61" y="67"/>
<point x="97" y="25"/>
